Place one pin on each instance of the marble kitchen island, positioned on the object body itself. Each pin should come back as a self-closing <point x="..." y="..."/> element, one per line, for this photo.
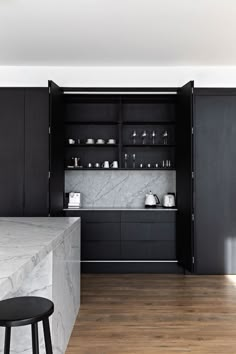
<point x="41" y="257"/>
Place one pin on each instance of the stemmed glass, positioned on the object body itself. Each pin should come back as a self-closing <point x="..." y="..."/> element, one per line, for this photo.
<point x="165" y="137"/>
<point x="144" y="135"/>
<point x="126" y="160"/>
<point x="153" y="135"/>
<point x="134" y="160"/>
<point x="134" y="135"/>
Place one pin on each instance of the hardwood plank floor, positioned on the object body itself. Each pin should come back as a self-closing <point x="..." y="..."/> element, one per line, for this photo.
<point x="153" y="314"/>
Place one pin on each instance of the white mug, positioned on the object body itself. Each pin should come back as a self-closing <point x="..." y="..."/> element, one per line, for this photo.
<point x="71" y="141"/>
<point x="111" y="141"/>
<point x="100" y="141"/>
<point x="90" y="141"/>
<point x="105" y="164"/>
<point x="114" y="164"/>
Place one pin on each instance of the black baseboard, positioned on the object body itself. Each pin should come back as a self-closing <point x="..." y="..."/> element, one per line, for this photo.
<point x="131" y="267"/>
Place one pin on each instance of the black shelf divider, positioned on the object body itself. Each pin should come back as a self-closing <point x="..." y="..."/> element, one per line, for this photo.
<point x="120" y="133"/>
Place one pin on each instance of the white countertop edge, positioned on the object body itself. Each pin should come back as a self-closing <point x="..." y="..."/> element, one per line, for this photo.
<point x="9" y="284"/>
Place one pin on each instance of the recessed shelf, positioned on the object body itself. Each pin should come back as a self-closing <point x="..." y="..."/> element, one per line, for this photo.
<point x="92" y="145"/>
<point x="91" y="123"/>
<point x="148" y="145"/>
<point x="149" y="123"/>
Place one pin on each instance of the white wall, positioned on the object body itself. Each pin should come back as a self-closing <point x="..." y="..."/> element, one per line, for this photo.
<point x="118" y="76"/>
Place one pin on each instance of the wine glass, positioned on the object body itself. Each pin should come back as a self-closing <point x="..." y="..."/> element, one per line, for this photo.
<point x="134" y="135"/>
<point x="153" y="135"/>
<point x="165" y="137"/>
<point x="126" y="160"/>
<point x="144" y="135"/>
<point x="134" y="157"/>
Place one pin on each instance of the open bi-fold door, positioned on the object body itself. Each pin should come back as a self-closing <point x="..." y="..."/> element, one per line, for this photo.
<point x="184" y="177"/>
<point x="56" y="149"/>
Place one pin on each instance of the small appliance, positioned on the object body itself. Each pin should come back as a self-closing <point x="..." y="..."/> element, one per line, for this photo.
<point x="151" y="200"/>
<point x="169" y="200"/>
<point x="74" y="200"/>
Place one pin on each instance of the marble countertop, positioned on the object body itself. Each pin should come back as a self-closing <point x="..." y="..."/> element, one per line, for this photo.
<point x="120" y="209"/>
<point x="24" y="242"/>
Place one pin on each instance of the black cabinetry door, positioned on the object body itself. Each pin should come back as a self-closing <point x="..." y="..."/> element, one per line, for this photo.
<point x="12" y="152"/>
<point x="215" y="182"/>
<point x="36" y="152"/>
<point x="184" y="182"/>
<point x="56" y="149"/>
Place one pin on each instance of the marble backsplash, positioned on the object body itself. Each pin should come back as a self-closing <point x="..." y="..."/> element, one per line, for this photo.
<point x="118" y="188"/>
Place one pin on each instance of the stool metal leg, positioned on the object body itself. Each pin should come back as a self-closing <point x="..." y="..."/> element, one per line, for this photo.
<point x="7" y="340"/>
<point x="47" y="336"/>
<point x="35" y="338"/>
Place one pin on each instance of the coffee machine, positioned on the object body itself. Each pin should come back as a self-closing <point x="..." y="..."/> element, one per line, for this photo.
<point x="74" y="200"/>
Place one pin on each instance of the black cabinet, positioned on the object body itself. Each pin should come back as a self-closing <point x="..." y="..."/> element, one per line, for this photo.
<point x="100" y="234"/>
<point x="215" y="181"/>
<point x="12" y="151"/>
<point x="184" y="178"/>
<point x="148" y="235"/>
<point x="127" y="235"/>
<point x="36" y="183"/>
<point x="24" y="151"/>
<point x="56" y="185"/>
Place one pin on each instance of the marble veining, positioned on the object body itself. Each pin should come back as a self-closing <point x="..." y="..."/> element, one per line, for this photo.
<point x="119" y="188"/>
<point x="41" y="257"/>
<point x="24" y="242"/>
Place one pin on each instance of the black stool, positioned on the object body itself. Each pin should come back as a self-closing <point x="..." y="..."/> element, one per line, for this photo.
<point x="27" y="310"/>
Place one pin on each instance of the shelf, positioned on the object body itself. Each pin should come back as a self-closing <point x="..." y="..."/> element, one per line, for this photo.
<point x="91" y="145"/>
<point x="91" y="123"/>
<point x="119" y="169"/>
<point x="148" y="145"/>
<point x="149" y="123"/>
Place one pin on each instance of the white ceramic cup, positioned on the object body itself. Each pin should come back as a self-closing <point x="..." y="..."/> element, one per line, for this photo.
<point x="90" y="141"/>
<point x="71" y="141"/>
<point x="114" y="164"/>
<point x="100" y="141"/>
<point x="105" y="164"/>
<point x="111" y="141"/>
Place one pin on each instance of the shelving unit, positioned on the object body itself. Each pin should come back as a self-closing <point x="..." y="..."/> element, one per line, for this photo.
<point x="117" y="116"/>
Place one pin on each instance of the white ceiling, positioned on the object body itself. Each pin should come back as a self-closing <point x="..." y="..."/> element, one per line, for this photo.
<point x="117" y="32"/>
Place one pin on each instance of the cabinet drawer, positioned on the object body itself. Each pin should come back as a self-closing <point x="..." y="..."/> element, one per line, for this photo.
<point x="148" y="216"/>
<point x="98" y="231"/>
<point x="103" y="250"/>
<point x="95" y="215"/>
<point x="148" y="250"/>
<point x="148" y="231"/>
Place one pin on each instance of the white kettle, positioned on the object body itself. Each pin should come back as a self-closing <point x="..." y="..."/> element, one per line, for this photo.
<point x="169" y="200"/>
<point x="151" y="200"/>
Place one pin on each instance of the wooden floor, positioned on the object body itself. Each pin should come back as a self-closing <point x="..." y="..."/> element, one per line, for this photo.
<point x="153" y="314"/>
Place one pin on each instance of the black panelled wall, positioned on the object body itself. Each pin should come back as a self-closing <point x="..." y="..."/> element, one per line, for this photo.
<point x="12" y="108"/>
<point x="24" y="154"/>
<point x="215" y="181"/>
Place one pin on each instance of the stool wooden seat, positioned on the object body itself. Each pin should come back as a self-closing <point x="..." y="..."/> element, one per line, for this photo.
<point x="27" y="310"/>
